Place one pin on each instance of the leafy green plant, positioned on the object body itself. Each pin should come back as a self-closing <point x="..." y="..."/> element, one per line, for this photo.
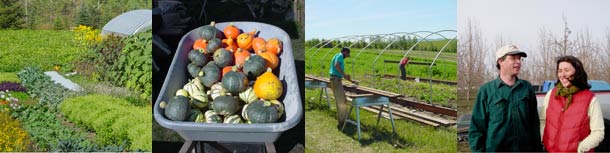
<point x="9" y="76"/>
<point x="83" y="145"/>
<point x="47" y="130"/>
<point x="134" y="66"/>
<point x="37" y="48"/>
<point x="99" y="56"/>
<point x="42" y="87"/>
<point x="113" y="119"/>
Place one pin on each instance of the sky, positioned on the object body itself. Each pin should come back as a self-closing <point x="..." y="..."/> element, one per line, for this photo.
<point x="520" y="21"/>
<point x="337" y="18"/>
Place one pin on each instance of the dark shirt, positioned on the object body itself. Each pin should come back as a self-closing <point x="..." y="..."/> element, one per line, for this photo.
<point x="505" y="118"/>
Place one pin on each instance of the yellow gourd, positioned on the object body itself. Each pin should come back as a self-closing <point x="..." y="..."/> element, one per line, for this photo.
<point x="267" y="86"/>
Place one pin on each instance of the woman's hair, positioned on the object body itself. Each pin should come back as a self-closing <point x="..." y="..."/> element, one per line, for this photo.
<point x="580" y="76"/>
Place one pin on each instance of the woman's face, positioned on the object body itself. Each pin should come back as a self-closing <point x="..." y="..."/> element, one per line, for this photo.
<point x="565" y="73"/>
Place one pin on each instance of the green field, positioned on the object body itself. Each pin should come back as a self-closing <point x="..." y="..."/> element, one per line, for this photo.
<point x="41" y="48"/>
<point x="367" y="74"/>
<point x="323" y="135"/>
<point x="361" y="63"/>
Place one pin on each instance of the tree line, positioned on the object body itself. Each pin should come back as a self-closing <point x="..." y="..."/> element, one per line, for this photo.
<point x="397" y="42"/>
<point x="63" y="14"/>
<point x="476" y="66"/>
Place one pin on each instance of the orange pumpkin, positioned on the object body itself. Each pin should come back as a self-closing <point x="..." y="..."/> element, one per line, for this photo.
<point x="229" y="44"/>
<point x="267" y="86"/>
<point x="200" y="44"/>
<point x="258" y="44"/>
<point x="271" y="59"/>
<point x="241" y="56"/>
<point x="244" y="40"/>
<point x="274" y="46"/>
<point x="226" y="69"/>
<point x="231" y="31"/>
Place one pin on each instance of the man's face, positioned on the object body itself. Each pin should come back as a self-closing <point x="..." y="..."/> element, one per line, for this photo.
<point x="510" y="65"/>
<point x="345" y="54"/>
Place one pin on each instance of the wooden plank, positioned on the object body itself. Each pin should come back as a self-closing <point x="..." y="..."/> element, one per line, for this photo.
<point x="358" y="95"/>
<point x="375" y="109"/>
<point x="424" y="80"/>
<point x="425" y="106"/>
<point x="422" y="116"/>
<point x="402" y="115"/>
<point x="410" y="62"/>
<point x="395" y="98"/>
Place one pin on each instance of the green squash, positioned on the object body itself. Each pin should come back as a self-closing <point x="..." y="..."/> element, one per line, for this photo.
<point x="209" y="74"/>
<point x="212" y="117"/>
<point x="213" y="45"/>
<point x="196" y="115"/>
<point x="254" y="66"/>
<point x="198" y="58"/>
<point x="225" y="105"/>
<point x="261" y="112"/>
<point x="235" y="81"/>
<point x="233" y="119"/>
<point x="209" y="32"/>
<point x="193" y="70"/>
<point x="223" y="57"/>
<point x="177" y="108"/>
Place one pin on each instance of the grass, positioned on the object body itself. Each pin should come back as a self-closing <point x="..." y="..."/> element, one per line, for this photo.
<point x="322" y="134"/>
<point x="41" y="48"/>
<point x="444" y="95"/>
<point x="445" y="69"/>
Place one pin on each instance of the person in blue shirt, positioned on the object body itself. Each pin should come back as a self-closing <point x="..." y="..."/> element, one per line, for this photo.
<point x="337" y="72"/>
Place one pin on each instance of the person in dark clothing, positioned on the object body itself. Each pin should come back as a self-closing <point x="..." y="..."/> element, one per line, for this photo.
<point x="505" y="115"/>
<point x="401" y="65"/>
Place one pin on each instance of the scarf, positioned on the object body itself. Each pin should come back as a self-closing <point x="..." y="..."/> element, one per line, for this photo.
<point x="566" y="93"/>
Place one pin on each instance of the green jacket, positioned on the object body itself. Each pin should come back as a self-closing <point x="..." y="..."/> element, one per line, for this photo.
<point x="505" y="118"/>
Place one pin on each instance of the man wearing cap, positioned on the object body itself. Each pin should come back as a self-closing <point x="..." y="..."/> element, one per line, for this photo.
<point x="505" y="117"/>
<point x="337" y="72"/>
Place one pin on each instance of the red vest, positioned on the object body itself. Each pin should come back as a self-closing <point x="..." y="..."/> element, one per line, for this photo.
<point x="564" y="129"/>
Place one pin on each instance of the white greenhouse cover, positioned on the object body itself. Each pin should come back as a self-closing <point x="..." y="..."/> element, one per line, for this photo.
<point x="129" y="23"/>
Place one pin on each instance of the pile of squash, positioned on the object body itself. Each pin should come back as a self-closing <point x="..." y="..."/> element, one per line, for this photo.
<point x="231" y="79"/>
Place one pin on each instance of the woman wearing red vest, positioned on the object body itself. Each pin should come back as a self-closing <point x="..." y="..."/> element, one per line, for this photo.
<point x="571" y="119"/>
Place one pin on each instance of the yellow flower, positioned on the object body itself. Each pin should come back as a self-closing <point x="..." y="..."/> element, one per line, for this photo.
<point x="12" y="137"/>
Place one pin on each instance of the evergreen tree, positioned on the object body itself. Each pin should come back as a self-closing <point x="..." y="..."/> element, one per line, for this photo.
<point x="11" y="15"/>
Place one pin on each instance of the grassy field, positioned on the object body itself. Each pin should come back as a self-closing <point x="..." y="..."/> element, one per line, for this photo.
<point x="323" y="135"/>
<point x="42" y="48"/>
<point x="446" y="69"/>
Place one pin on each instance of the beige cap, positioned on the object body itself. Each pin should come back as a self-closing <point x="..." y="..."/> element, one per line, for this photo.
<point x="509" y="50"/>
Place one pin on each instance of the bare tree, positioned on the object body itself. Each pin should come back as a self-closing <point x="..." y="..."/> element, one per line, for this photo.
<point x="582" y="46"/>
<point x="545" y="60"/>
<point x="589" y="52"/>
<point x="471" y="67"/>
<point x="606" y="66"/>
